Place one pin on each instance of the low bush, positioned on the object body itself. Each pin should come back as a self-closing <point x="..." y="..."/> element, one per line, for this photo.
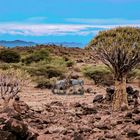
<point x="46" y="71"/>
<point x="6" y="66"/>
<point x="58" y="61"/>
<point x="69" y="63"/>
<point x="44" y="83"/>
<point x="100" y="74"/>
<point x="9" y="56"/>
<point x="36" y="56"/>
<point x="134" y="74"/>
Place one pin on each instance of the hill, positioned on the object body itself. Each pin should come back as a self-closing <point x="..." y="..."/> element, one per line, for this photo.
<point x="16" y="43"/>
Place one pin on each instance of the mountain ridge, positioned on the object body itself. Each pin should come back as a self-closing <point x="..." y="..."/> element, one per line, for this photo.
<point x="22" y="43"/>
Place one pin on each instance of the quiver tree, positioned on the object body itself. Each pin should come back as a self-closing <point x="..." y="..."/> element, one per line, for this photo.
<point x="11" y="83"/>
<point x="119" y="49"/>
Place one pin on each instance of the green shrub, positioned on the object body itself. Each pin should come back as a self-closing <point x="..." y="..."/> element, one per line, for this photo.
<point x="100" y="74"/>
<point x="5" y="66"/>
<point x="44" y="83"/>
<point x="58" y="61"/>
<point x="36" y="56"/>
<point x="69" y="63"/>
<point x="134" y="74"/>
<point x="9" y="56"/>
<point x="46" y="71"/>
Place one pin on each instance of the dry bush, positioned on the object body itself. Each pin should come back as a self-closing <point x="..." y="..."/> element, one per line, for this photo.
<point x="12" y="81"/>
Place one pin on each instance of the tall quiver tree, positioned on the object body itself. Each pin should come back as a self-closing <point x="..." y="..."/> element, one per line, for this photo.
<point x="119" y="49"/>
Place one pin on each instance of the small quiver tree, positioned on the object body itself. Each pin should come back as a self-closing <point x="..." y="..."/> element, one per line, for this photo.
<point x="119" y="49"/>
<point x="11" y="83"/>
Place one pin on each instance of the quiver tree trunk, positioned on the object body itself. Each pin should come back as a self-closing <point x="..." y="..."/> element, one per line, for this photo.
<point x="120" y="95"/>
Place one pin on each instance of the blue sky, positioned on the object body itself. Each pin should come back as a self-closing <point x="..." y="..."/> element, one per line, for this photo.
<point x="64" y="20"/>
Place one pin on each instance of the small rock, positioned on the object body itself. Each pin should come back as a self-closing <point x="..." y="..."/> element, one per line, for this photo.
<point x="89" y="90"/>
<point x="124" y="107"/>
<point x="109" y="93"/>
<point x="119" y="122"/>
<point x="137" y="138"/>
<point x="97" y="117"/>
<point x="137" y="120"/>
<point x="110" y="135"/>
<point x="98" y="98"/>
<point x="132" y="133"/>
<point x="128" y="115"/>
<point x="136" y="110"/>
<point x="77" y="136"/>
<point x="136" y="94"/>
<point x="88" y="110"/>
<point x="129" y="90"/>
<point x="103" y="126"/>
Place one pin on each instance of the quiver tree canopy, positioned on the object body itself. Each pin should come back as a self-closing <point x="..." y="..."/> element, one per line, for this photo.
<point x="118" y="48"/>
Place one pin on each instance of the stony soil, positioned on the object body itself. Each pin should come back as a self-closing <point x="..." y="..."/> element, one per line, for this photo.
<point x="76" y="117"/>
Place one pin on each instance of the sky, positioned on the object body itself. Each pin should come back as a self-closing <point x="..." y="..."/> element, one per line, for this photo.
<point x="79" y="21"/>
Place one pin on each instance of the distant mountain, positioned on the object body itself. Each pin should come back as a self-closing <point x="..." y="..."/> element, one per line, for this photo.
<point x="16" y="43"/>
<point x="68" y="44"/>
<point x="21" y="43"/>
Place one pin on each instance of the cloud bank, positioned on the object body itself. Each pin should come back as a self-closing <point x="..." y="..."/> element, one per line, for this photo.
<point x="55" y="29"/>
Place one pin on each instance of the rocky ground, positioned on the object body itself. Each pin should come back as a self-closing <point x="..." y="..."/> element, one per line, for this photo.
<point x="69" y="117"/>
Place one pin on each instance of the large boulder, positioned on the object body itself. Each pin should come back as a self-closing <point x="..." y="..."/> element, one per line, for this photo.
<point x="18" y="128"/>
<point x="12" y="127"/>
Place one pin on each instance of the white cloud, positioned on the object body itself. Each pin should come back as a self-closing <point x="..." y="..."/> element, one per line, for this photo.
<point x="54" y="29"/>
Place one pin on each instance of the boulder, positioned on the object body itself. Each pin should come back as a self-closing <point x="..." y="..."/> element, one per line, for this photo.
<point x="128" y="115"/>
<point x="21" y="107"/>
<point x="136" y="94"/>
<point x="77" y="136"/>
<point x="75" y="76"/>
<point x="132" y="133"/>
<point x="12" y="127"/>
<point x="110" y="135"/>
<point x="5" y="135"/>
<point x="124" y="107"/>
<point x="103" y="126"/>
<point x="98" y="98"/>
<point x="89" y="90"/>
<point x="109" y="93"/>
<point x="137" y="120"/>
<point x="89" y="110"/>
<point x="18" y="128"/>
<point x="129" y="90"/>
